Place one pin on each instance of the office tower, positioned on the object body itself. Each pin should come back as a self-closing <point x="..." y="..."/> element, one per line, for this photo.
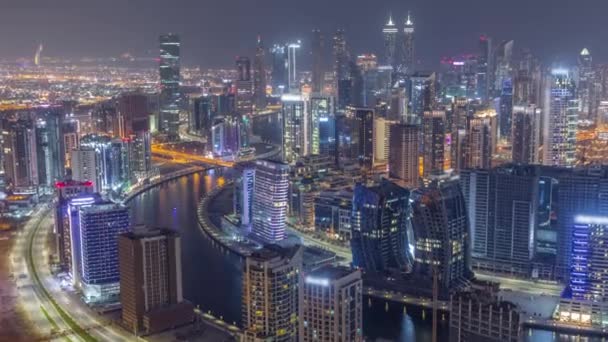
<point x="480" y="139"/>
<point x="585" y="85"/>
<point x="504" y="65"/>
<point x="589" y="271"/>
<point x="502" y="207"/>
<point x="560" y="120"/>
<point x="485" y="69"/>
<point x="357" y="85"/>
<point x="270" y="196"/>
<point x="259" y="76"/>
<point x="422" y="93"/>
<point x="95" y="226"/>
<point x="139" y="159"/>
<point x="150" y="269"/>
<point x="169" y="84"/>
<point x="295" y="127"/>
<point x="64" y="192"/>
<point x="50" y="148"/>
<point x="293" y="82"/>
<point x="341" y="57"/>
<point x="331" y="305"/>
<point x="403" y="154"/>
<point x="86" y="166"/>
<point x="434" y="140"/>
<point x="399" y="104"/>
<point x="407" y="62"/>
<point x="243" y="194"/>
<point x="71" y="138"/>
<point x="382" y="137"/>
<point x="322" y="109"/>
<point x="102" y="145"/>
<point x="525" y="134"/>
<point x="318" y="70"/>
<point x="132" y="115"/>
<point x="390" y="33"/>
<point x="505" y="114"/>
<point x="302" y="193"/>
<point x="20" y="157"/>
<point x="271" y="281"/>
<point x="380" y="220"/>
<point x="279" y="69"/>
<point x="322" y="132"/>
<point x="479" y="315"/>
<point x="201" y="117"/>
<point x="226" y="135"/>
<point x="527" y="83"/>
<point x="362" y="137"/>
<point x="244" y="87"/>
<point x="441" y="234"/>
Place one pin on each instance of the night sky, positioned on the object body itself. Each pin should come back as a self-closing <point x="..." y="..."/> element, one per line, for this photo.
<point x="214" y="31"/>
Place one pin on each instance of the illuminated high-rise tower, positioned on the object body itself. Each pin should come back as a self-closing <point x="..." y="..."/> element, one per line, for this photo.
<point x="485" y="70"/>
<point x="390" y="33"/>
<point x="259" y="76"/>
<point x="317" y="61"/>
<point x="407" y="62"/>
<point x="585" y="83"/>
<point x="292" y="70"/>
<point x="279" y="68"/>
<point x="341" y="57"/>
<point x="270" y="196"/>
<point x="560" y="119"/>
<point x="169" y="84"/>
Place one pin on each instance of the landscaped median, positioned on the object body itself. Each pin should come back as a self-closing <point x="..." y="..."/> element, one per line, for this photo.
<point x="64" y="315"/>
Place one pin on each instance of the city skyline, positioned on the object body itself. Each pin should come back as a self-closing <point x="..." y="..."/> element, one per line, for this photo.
<point x="70" y="29"/>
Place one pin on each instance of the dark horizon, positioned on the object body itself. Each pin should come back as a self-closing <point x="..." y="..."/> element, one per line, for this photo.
<point x="215" y="31"/>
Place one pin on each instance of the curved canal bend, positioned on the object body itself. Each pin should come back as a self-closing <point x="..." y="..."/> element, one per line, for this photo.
<point x="212" y="275"/>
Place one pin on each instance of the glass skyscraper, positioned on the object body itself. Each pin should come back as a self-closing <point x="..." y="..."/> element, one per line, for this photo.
<point x="169" y="84"/>
<point x="380" y="221"/>
<point x="270" y="198"/>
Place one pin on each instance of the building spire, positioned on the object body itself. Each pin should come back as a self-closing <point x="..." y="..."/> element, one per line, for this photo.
<point x="390" y="19"/>
<point x="409" y="22"/>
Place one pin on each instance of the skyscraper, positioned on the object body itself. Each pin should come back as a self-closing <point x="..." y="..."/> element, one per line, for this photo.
<point x="50" y="149"/>
<point x="318" y="69"/>
<point x="86" y="166"/>
<point x="169" y="84"/>
<point x="589" y="271"/>
<point x="380" y="220"/>
<point x="504" y="65"/>
<point x="20" y="157"/>
<point x="201" y="117"/>
<point x="422" y="93"/>
<point x="407" y="63"/>
<point x="259" y="76"/>
<point x="382" y="133"/>
<point x="390" y="33"/>
<point x="95" y="226"/>
<point x="434" y="139"/>
<point x="324" y="125"/>
<point x="525" y="134"/>
<point x="485" y="69"/>
<point x="403" y="154"/>
<point x="150" y="269"/>
<point x="279" y="69"/>
<point x="480" y="139"/>
<point x="585" y="85"/>
<point x="362" y="136"/>
<point x="331" y="305"/>
<point x="295" y="127"/>
<point x="293" y="80"/>
<point x="505" y="114"/>
<point x="270" y="197"/>
<point x="271" y="281"/>
<point x="341" y="56"/>
<point x="441" y="238"/>
<point x="132" y="115"/>
<point x="560" y="120"/>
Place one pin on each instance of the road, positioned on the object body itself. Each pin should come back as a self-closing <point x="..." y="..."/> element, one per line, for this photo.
<point x="307" y="240"/>
<point x="67" y="314"/>
<point x="524" y="286"/>
<point x="160" y="150"/>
